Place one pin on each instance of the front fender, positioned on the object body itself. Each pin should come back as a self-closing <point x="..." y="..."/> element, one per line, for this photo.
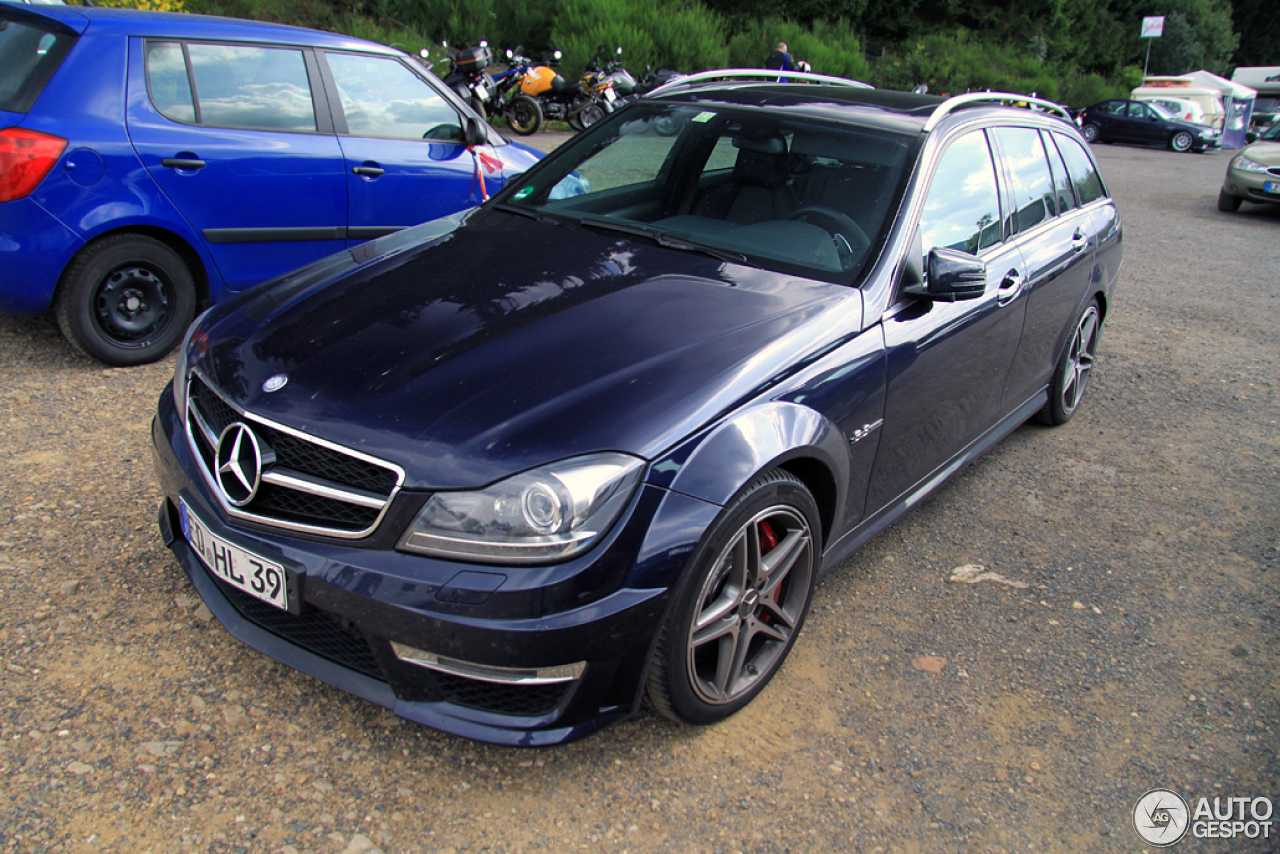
<point x="714" y="466"/>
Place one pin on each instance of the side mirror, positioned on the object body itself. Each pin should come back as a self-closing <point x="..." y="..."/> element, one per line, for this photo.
<point x="953" y="275"/>
<point x="473" y="133"/>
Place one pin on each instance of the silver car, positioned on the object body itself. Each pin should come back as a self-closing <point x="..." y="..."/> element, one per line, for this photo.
<point x="1254" y="174"/>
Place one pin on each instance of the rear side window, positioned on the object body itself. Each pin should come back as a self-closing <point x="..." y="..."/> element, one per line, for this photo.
<point x="1084" y="177"/>
<point x="1029" y="172"/>
<point x="29" y="56"/>
<point x="962" y="210"/>
<point x="235" y="86"/>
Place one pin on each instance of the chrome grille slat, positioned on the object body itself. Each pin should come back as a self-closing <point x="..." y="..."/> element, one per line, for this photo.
<point x="308" y="485"/>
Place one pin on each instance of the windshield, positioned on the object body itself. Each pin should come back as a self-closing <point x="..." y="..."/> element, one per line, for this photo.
<point x="1272" y="134"/>
<point x="29" y="54"/>
<point x="785" y="194"/>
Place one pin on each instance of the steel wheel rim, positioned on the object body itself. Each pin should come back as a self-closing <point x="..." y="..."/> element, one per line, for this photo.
<point x="750" y="606"/>
<point x="131" y="304"/>
<point x="1080" y="360"/>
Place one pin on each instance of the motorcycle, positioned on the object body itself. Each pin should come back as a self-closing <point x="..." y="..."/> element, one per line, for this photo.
<point x="538" y="93"/>
<point x="467" y="76"/>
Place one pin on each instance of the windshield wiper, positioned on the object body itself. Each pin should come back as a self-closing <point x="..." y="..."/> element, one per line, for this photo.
<point x="531" y="214"/>
<point x="664" y="239"/>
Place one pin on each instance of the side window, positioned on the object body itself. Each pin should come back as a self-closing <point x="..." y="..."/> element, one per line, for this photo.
<point x="1061" y="180"/>
<point x="1139" y="110"/>
<point x="384" y="99"/>
<point x="258" y="88"/>
<point x="1084" y="177"/>
<point x="1111" y="107"/>
<point x="962" y="210"/>
<point x="1029" y="170"/>
<point x="168" y="83"/>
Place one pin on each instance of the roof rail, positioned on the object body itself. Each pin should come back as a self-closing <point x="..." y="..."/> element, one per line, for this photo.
<point x="950" y="105"/>
<point x="761" y="75"/>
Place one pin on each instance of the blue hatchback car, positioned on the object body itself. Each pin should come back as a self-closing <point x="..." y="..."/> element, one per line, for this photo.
<point x="151" y="163"/>
<point x="597" y="439"/>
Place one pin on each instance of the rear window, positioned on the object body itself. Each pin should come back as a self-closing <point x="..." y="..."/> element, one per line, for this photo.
<point x="29" y="55"/>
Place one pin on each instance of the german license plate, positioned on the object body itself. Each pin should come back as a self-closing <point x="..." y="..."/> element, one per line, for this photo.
<point x="239" y="567"/>
<point x="1272" y="186"/>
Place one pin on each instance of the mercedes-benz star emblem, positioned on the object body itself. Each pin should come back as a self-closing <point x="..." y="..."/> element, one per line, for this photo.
<point x="275" y="382"/>
<point x="239" y="463"/>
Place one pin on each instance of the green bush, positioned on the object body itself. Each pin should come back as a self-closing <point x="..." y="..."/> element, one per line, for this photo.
<point x="681" y="35"/>
<point x="829" y="47"/>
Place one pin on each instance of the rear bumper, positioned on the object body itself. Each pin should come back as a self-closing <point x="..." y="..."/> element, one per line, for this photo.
<point x="34" y="248"/>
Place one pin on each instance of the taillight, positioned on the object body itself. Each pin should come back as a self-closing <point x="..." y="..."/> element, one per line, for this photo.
<point x="26" y="156"/>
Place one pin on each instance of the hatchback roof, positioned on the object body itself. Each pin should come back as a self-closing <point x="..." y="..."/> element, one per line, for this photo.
<point x="134" y="22"/>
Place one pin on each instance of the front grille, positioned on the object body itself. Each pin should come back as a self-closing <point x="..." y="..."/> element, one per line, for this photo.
<point x="503" y="699"/>
<point x="307" y="484"/>
<point x="316" y="631"/>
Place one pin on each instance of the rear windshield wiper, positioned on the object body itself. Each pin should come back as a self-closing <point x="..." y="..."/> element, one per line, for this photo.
<point x="664" y="239"/>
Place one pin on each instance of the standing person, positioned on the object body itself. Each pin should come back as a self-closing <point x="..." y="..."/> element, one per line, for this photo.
<point x="780" y="59"/>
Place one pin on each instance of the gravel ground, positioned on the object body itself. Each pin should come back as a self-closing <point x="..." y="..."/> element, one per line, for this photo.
<point x="1131" y="644"/>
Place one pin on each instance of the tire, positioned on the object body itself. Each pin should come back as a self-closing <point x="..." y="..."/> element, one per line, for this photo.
<point x="1090" y="132"/>
<point x="1228" y="203"/>
<point x="125" y="300"/>
<point x="524" y="115"/>
<point x="1071" y="376"/>
<point x="589" y="115"/>
<point x="1181" y="141"/>
<point x="666" y="126"/>
<point x="737" y="611"/>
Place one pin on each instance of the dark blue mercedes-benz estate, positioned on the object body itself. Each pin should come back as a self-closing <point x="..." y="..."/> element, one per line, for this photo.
<point x="509" y="472"/>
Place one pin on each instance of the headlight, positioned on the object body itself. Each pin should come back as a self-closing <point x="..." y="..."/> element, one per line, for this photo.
<point x="1244" y="164"/>
<point x="543" y="515"/>
<point x="180" y="369"/>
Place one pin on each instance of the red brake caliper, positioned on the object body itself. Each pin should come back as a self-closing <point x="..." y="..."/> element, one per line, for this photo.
<point x="768" y="542"/>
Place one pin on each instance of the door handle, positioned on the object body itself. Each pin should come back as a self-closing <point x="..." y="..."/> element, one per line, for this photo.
<point x="182" y="163"/>
<point x="1079" y="241"/>
<point x="369" y="171"/>
<point x="1010" y="286"/>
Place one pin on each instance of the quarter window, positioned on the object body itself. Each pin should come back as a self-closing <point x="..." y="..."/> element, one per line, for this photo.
<point x="382" y="98"/>
<point x="1029" y="171"/>
<point x="962" y="210"/>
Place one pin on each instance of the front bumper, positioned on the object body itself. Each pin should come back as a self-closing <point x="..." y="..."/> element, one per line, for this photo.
<point x="352" y="603"/>
<point x="1251" y="186"/>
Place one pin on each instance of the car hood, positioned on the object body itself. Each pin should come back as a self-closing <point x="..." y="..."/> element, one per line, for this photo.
<point x="1267" y="153"/>
<point x="506" y="343"/>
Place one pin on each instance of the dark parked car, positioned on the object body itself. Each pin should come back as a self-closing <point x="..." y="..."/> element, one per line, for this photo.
<point x="583" y="449"/>
<point x="153" y="162"/>
<point x="1144" y="123"/>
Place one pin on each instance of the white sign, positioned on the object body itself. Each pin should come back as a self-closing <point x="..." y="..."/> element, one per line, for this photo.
<point x="1153" y="28"/>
